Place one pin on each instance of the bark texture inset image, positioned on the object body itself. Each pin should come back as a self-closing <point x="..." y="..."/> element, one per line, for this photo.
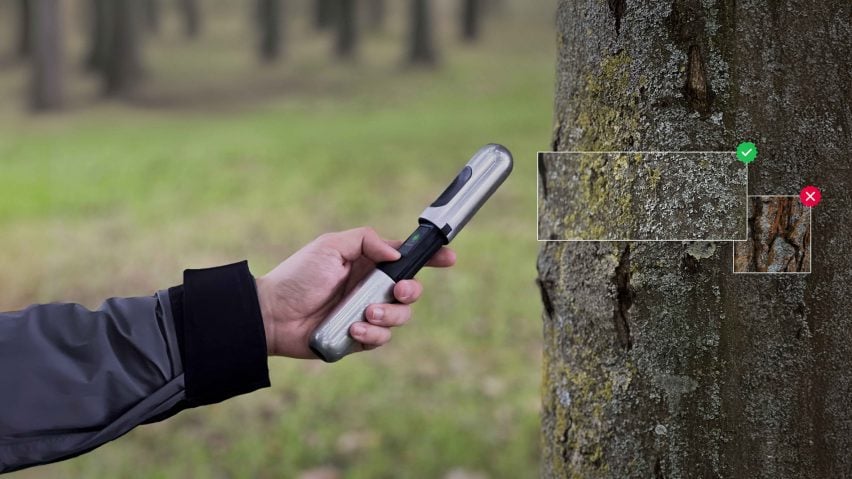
<point x="659" y="361"/>
<point x="641" y="196"/>
<point x="779" y="237"/>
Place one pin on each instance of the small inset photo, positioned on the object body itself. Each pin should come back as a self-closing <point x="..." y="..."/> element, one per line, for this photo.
<point x="779" y="237"/>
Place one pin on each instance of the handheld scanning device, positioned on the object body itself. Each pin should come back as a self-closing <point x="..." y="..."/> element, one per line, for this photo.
<point x="439" y="224"/>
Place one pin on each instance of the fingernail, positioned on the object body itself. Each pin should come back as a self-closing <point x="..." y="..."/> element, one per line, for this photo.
<point x="405" y="292"/>
<point x="378" y="313"/>
<point x="358" y="329"/>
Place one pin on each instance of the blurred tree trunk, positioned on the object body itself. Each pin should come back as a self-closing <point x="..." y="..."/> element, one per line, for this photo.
<point x="470" y="19"/>
<point x="376" y="14"/>
<point x="269" y="23"/>
<point x="324" y="13"/>
<point x="24" y="28"/>
<point x="46" y="82"/>
<point x="658" y="360"/>
<point x="493" y="6"/>
<point x="99" y="33"/>
<point x="122" y="67"/>
<point x="152" y="15"/>
<point x="422" y="43"/>
<point x="347" y="29"/>
<point x="191" y="13"/>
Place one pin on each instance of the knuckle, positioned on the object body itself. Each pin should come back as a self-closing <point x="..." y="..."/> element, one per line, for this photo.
<point x="368" y="232"/>
<point x="324" y="238"/>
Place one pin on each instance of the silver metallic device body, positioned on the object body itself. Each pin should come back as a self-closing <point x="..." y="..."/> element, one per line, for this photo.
<point x="488" y="168"/>
<point x="331" y="341"/>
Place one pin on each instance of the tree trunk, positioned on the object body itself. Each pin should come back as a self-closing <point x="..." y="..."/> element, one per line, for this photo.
<point x="191" y="17"/>
<point x="24" y="28"/>
<point x="421" y="46"/>
<point x="347" y="29"/>
<point x="269" y="24"/>
<point x="324" y="13"/>
<point x="122" y="67"/>
<point x="376" y="14"/>
<point x="660" y="361"/>
<point x="152" y="15"/>
<point x="46" y="84"/>
<point x="99" y="34"/>
<point x="470" y="20"/>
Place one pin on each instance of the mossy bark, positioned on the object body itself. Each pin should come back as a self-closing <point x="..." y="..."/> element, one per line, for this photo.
<point x="660" y="361"/>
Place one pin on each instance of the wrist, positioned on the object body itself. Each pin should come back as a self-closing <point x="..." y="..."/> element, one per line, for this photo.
<point x="265" y="301"/>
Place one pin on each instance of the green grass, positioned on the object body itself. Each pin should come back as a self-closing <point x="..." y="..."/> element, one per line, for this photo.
<point x="116" y="200"/>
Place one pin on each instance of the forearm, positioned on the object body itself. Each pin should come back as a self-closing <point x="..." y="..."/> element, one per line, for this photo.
<point x="72" y="379"/>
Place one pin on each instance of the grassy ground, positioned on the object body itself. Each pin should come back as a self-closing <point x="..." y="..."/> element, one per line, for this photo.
<point x="219" y="161"/>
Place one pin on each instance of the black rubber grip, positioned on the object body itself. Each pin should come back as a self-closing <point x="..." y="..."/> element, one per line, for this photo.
<point x="417" y="250"/>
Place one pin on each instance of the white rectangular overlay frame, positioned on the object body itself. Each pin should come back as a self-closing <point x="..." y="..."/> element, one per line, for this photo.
<point x="538" y="186"/>
<point x="810" y="242"/>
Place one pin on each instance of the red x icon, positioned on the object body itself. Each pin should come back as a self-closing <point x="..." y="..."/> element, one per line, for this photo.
<point x="810" y="196"/>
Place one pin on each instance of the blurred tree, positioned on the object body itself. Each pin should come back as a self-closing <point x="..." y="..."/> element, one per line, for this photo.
<point x="493" y="6"/>
<point x="347" y="29"/>
<point x="99" y="32"/>
<point x="659" y="361"/>
<point x="324" y="13"/>
<point x="376" y="14"/>
<point x="122" y="63"/>
<point x="46" y="56"/>
<point x="269" y="16"/>
<point x="24" y="28"/>
<point x="152" y="15"/>
<point x="422" y="43"/>
<point x="191" y="17"/>
<point x="470" y="19"/>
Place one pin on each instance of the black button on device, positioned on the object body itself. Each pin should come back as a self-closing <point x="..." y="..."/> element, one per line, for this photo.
<point x="414" y="239"/>
<point x="462" y="178"/>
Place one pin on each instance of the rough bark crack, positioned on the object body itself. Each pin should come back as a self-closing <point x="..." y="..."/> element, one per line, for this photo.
<point x="543" y="286"/>
<point x="624" y="295"/>
<point x="542" y="174"/>
<point x="697" y="90"/>
<point x="658" y="469"/>
<point x="617" y="8"/>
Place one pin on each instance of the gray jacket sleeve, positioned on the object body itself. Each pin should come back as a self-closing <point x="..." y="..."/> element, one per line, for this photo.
<point x="72" y="379"/>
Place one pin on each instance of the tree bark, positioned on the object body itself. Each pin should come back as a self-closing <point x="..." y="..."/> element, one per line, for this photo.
<point x="191" y="13"/>
<point x="660" y="361"/>
<point x="779" y="236"/>
<point x="24" y="28"/>
<point x="46" y="84"/>
<point x="421" y="41"/>
<point x="122" y="67"/>
<point x="470" y="19"/>
<point x="347" y="29"/>
<point x="269" y="23"/>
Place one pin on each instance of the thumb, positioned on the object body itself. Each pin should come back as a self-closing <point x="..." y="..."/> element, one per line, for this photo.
<point x="358" y="242"/>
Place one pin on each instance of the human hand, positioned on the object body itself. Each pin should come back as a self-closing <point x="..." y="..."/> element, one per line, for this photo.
<point x="300" y="292"/>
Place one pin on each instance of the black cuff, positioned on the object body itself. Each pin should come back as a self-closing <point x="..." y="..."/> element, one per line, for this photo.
<point x="220" y="333"/>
